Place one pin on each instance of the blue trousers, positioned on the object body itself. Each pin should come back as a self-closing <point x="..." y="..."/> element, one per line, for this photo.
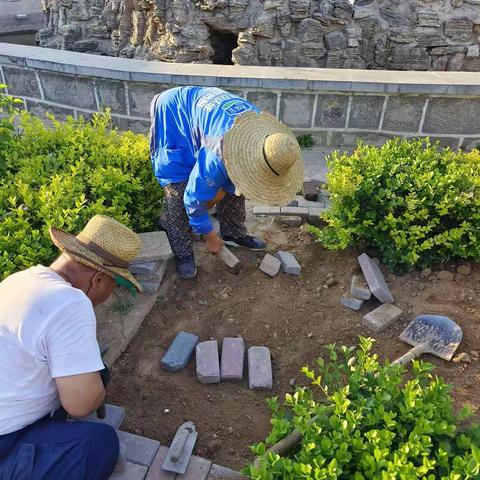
<point x="56" y="450"/>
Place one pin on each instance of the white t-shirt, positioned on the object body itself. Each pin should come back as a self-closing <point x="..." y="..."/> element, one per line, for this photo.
<point x="47" y="330"/>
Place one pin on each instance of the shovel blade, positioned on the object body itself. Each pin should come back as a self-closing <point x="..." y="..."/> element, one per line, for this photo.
<point x="441" y="334"/>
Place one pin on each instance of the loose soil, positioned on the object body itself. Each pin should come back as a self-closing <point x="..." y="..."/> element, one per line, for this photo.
<point x="293" y="316"/>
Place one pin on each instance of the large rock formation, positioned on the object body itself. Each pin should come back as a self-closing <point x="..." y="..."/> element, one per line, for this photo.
<point x="374" y="34"/>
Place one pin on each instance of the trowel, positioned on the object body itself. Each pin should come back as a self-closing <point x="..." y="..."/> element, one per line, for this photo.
<point x="433" y="334"/>
<point x="181" y="449"/>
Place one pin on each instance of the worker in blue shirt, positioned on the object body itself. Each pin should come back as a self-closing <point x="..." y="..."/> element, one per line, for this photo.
<point x="210" y="147"/>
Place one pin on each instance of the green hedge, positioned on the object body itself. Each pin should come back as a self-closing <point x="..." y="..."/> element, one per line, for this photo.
<point x="62" y="175"/>
<point x="363" y="420"/>
<point x="415" y="203"/>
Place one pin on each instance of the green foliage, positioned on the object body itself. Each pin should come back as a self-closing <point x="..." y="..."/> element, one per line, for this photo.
<point x="416" y="203"/>
<point x="306" y="141"/>
<point x="64" y="175"/>
<point x="369" y="423"/>
<point x="8" y="109"/>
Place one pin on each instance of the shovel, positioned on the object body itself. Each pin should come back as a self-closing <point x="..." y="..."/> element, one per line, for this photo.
<point x="181" y="449"/>
<point x="433" y="334"/>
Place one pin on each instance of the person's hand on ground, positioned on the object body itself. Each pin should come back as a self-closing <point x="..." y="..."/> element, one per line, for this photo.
<point x="214" y="242"/>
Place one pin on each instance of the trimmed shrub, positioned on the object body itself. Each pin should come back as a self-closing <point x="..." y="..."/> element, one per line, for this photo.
<point x="62" y="176"/>
<point x="362" y="420"/>
<point x="415" y="203"/>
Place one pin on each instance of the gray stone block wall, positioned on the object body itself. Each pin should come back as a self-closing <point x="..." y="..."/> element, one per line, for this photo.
<point x="336" y="110"/>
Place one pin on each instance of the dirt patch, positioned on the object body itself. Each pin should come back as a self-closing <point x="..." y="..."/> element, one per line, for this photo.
<point x="294" y="317"/>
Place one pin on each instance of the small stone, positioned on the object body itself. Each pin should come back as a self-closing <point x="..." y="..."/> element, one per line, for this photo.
<point x="445" y="276"/>
<point x="289" y="263"/>
<point x="382" y="317"/>
<point x="462" y="357"/>
<point x="270" y="265"/>
<point x="292" y="382"/>
<point x="464" y="270"/>
<point x="208" y="367"/>
<point x="462" y="296"/>
<point x="230" y="430"/>
<point x="329" y="275"/>
<point x="179" y="352"/>
<point x="330" y="282"/>
<point x="166" y="411"/>
<point x="309" y="335"/>
<point x="259" y="368"/>
<point x="359" y="288"/>
<point x="353" y="303"/>
<point x="375" y="280"/>
<point x="425" y="273"/>
<point x="475" y="355"/>
<point x="214" y="446"/>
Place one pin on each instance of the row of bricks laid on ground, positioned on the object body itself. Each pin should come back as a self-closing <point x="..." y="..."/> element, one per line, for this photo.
<point x="283" y="260"/>
<point x="306" y="213"/>
<point x="208" y="366"/>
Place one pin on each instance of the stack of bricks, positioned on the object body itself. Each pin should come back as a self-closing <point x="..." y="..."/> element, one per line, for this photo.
<point x="151" y="263"/>
<point x="372" y="282"/>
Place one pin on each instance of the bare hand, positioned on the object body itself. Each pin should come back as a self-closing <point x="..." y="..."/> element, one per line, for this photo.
<point x="213" y="242"/>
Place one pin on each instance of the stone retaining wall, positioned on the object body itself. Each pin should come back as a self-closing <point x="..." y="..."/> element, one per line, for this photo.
<point x="338" y="107"/>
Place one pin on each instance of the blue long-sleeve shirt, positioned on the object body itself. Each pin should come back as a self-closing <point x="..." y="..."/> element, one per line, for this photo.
<point x="186" y="136"/>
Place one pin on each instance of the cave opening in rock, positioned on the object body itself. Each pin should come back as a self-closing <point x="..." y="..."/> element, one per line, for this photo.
<point x="223" y="44"/>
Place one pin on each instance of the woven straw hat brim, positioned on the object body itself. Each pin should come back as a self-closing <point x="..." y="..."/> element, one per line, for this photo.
<point x="245" y="162"/>
<point x="71" y="246"/>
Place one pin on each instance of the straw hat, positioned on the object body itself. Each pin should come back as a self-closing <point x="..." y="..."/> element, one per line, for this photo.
<point x="104" y="245"/>
<point x="263" y="159"/>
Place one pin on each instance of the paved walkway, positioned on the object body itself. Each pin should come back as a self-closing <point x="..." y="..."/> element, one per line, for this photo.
<point x="144" y="456"/>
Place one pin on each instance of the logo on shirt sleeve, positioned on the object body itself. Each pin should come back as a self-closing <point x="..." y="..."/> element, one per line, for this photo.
<point x="209" y="182"/>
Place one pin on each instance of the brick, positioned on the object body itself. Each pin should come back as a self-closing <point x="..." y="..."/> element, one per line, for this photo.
<point x="155" y="472"/>
<point x="353" y="303"/>
<point x="197" y="469"/>
<point x="111" y="94"/>
<point x="270" y="265"/>
<point x="265" y="101"/>
<point x="297" y="211"/>
<point x="138" y="449"/>
<point x="382" y="317"/>
<point x="228" y="257"/>
<point x="155" y="246"/>
<point x="374" y="277"/>
<point x="366" y="111"/>
<point x="403" y="113"/>
<point x="179" y="352"/>
<point x="310" y="191"/>
<point x="359" y="288"/>
<point x="144" y="268"/>
<point x="217" y="472"/>
<point x="157" y="275"/>
<point x="233" y="353"/>
<point x="290" y="220"/>
<point x="315" y="212"/>
<point x="132" y="472"/>
<point x="452" y="115"/>
<point x="150" y="288"/>
<point x="331" y="111"/>
<point x="114" y="417"/>
<point x="266" y="210"/>
<point x="296" y="109"/>
<point x="259" y="368"/>
<point x="120" y="466"/>
<point x="21" y="82"/>
<point x="289" y="263"/>
<point x="208" y="368"/>
<point x="40" y="109"/>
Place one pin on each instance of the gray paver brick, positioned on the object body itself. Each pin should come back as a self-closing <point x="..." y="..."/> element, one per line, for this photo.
<point x="114" y="417"/>
<point x="266" y="210"/>
<point x="144" y="268"/>
<point x="179" y="352"/>
<point x="290" y="221"/>
<point x="316" y="212"/>
<point x="289" y="263"/>
<point x="217" y="472"/>
<point x="259" y="368"/>
<point x="138" y="449"/>
<point x="298" y="211"/>
<point x="197" y="469"/>
<point x="270" y="265"/>
<point x="233" y="356"/>
<point x="359" y="288"/>
<point x="132" y="472"/>
<point x="353" y="303"/>
<point x="310" y="191"/>
<point x="150" y="287"/>
<point x="208" y="368"/>
<point x="382" y="317"/>
<point x="155" y="246"/>
<point x="120" y="466"/>
<point x="374" y="277"/>
<point x="155" y="472"/>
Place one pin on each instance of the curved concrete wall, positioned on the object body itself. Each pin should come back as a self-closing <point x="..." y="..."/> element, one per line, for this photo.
<point x="338" y="107"/>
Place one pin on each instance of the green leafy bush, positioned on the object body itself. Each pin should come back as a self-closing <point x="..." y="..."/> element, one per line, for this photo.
<point x="63" y="175"/>
<point x="370" y="423"/>
<point x="416" y="203"/>
<point x="306" y="141"/>
<point x="8" y="110"/>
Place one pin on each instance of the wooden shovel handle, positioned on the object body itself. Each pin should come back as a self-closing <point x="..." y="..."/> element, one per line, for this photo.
<point x="411" y="354"/>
